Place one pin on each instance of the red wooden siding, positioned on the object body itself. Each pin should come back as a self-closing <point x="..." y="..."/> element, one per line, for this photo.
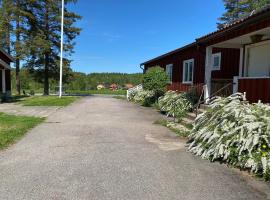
<point x="198" y="54"/>
<point x="230" y="59"/>
<point x="229" y="66"/>
<point x="256" y="89"/>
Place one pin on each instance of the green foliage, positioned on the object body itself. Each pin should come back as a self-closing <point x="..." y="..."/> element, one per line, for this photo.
<point x="234" y="132"/>
<point x="155" y="79"/>
<point x="14" y="127"/>
<point x="175" y="104"/>
<point x="43" y="40"/>
<point x="145" y="97"/>
<point x="236" y="9"/>
<point x="79" y="83"/>
<point x="103" y="91"/>
<point x="173" y="127"/>
<point x="47" y="101"/>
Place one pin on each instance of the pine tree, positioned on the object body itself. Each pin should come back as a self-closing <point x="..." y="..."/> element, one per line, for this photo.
<point x="5" y="25"/>
<point x="236" y="9"/>
<point x="232" y="13"/>
<point x="248" y="6"/>
<point x="44" y="40"/>
<point x="13" y="25"/>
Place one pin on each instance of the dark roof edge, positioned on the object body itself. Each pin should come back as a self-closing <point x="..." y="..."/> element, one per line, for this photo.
<point x="7" y="55"/>
<point x="169" y="53"/>
<point x="249" y="20"/>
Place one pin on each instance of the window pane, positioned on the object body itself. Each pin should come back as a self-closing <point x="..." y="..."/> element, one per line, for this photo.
<point x="216" y="61"/>
<point x="169" y="72"/>
<point x="186" y="72"/>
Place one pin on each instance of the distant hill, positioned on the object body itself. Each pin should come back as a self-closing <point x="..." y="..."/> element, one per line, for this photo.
<point x="79" y="81"/>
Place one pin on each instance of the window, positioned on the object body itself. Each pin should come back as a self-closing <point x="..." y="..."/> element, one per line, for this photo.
<point x="188" y="71"/>
<point x="169" y="71"/>
<point x="216" y="61"/>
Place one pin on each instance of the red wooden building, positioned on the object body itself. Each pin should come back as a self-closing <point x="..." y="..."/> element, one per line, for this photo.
<point x="235" y="58"/>
<point x="5" y="73"/>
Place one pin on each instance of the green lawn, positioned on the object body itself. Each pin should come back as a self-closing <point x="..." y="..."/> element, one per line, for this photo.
<point x="104" y="91"/>
<point x="47" y="101"/>
<point x="13" y="128"/>
<point x="120" y="97"/>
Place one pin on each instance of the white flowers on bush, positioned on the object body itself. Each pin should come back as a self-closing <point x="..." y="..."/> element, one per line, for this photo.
<point x="235" y="132"/>
<point x="132" y="94"/>
<point x="144" y="97"/>
<point x="174" y="104"/>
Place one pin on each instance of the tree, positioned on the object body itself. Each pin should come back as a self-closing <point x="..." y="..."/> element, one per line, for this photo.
<point x="13" y="29"/>
<point x="248" y="6"/>
<point x="155" y="79"/>
<point x="236" y="9"/>
<point x="232" y="13"/>
<point x="44" y="40"/>
<point x="5" y="25"/>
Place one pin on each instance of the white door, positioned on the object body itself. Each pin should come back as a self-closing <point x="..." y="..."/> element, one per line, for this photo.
<point x="258" y="60"/>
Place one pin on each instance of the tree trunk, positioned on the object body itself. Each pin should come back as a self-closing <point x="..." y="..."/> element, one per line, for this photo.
<point x="46" y="74"/>
<point x="46" y="64"/>
<point x="17" y="49"/>
<point x="18" y="82"/>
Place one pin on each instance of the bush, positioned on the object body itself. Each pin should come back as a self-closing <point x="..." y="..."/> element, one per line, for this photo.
<point x="234" y="132"/>
<point x="144" y="97"/>
<point x="155" y="79"/>
<point x="174" y="104"/>
<point x="132" y="94"/>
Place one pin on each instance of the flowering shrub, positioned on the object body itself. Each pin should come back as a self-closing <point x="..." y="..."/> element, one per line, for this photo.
<point x="145" y="97"/>
<point x="234" y="132"/>
<point x="174" y="104"/>
<point x="132" y="94"/>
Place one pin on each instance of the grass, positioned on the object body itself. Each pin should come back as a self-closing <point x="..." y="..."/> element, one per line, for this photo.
<point x="47" y="101"/>
<point x="169" y="124"/>
<point x="103" y="91"/>
<point x="120" y="97"/>
<point x="13" y="128"/>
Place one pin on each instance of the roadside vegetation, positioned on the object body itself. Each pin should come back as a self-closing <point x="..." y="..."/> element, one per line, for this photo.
<point x="101" y="91"/>
<point x="79" y="83"/>
<point x="47" y="101"/>
<point x="178" y="129"/>
<point x="234" y="132"/>
<point x="230" y="131"/>
<point x="13" y="128"/>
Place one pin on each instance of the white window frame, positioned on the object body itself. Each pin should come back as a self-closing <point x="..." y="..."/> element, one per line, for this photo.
<point x="219" y="64"/>
<point x="183" y="77"/>
<point x="169" y="72"/>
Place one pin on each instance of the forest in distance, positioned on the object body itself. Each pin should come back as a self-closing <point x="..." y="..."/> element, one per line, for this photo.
<point x="77" y="81"/>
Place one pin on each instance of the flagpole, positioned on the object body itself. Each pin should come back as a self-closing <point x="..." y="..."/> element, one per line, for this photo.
<point x="61" y="56"/>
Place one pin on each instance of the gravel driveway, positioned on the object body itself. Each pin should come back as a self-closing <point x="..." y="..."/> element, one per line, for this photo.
<point x="106" y="149"/>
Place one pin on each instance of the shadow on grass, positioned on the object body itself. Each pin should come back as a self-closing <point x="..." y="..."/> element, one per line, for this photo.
<point x="14" y="99"/>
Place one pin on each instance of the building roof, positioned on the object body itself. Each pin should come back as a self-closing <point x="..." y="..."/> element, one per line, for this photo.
<point x="170" y="53"/>
<point x="7" y="55"/>
<point x="238" y="23"/>
<point x="254" y="16"/>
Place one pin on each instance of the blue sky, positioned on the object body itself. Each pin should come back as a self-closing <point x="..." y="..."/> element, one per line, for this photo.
<point x="118" y="35"/>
